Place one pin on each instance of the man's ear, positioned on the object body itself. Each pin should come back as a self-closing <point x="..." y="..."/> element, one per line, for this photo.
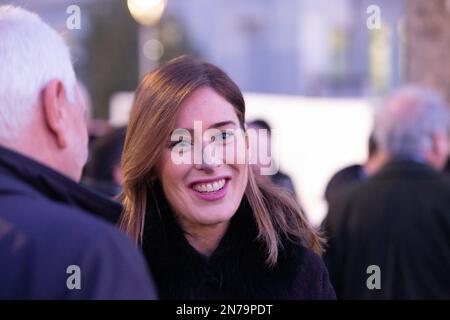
<point x="438" y="142"/>
<point x="117" y="174"/>
<point x="439" y="150"/>
<point x="53" y="105"/>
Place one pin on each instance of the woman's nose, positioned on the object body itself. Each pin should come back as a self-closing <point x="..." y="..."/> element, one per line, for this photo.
<point x="208" y="158"/>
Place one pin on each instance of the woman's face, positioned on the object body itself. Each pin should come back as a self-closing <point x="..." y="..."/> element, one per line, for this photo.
<point x="203" y="168"/>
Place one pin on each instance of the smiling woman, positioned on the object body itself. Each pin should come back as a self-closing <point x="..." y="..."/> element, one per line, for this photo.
<point x="204" y="194"/>
<point x="208" y="228"/>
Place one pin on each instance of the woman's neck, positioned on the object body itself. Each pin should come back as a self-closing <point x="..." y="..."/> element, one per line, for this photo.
<point x="205" y="239"/>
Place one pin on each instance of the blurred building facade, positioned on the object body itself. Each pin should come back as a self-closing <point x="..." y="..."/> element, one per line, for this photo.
<point x="296" y="47"/>
<point x="301" y="47"/>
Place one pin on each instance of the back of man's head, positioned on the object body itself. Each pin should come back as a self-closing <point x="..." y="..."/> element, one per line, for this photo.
<point x="41" y="113"/>
<point x="31" y="54"/>
<point x="414" y="123"/>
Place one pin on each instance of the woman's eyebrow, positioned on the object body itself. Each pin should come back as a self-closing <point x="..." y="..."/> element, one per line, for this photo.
<point x="222" y="124"/>
<point x="215" y="125"/>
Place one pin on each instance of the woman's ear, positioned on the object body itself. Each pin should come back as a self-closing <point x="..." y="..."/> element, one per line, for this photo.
<point x="247" y="141"/>
<point x="247" y="146"/>
<point x="53" y="104"/>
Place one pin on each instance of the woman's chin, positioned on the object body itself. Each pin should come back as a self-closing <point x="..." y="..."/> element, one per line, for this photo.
<point x="211" y="217"/>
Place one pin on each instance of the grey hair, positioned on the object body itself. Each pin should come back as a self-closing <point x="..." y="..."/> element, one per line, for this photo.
<point x="31" y="54"/>
<point x="408" y="120"/>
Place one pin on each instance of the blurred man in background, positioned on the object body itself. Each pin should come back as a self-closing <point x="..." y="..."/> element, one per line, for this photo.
<point x="280" y="179"/>
<point x="447" y="168"/>
<point x="53" y="242"/>
<point x="350" y="175"/>
<point x="389" y="236"/>
<point x="103" y="171"/>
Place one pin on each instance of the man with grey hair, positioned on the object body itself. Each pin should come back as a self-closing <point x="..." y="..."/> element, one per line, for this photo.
<point x="54" y="240"/>
<point x="389" y="236"/>
<point x="414" y="124"/>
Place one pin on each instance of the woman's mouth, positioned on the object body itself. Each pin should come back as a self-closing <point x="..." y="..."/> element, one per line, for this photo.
<point x="211" y="190"/>
<point x="209" y="187"/>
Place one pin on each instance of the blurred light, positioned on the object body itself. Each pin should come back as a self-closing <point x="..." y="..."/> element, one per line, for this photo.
<point x="153" y="49"/>
<point x="146" y="12"/>
<point x="380" y="63"/>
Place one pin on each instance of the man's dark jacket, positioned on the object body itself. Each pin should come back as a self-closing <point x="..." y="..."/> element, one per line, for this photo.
<point x="399" y="221"/>
<point x="54" y="236"/>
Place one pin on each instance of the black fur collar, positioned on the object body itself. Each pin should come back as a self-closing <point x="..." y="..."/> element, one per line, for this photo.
<point x="236" y="270"/>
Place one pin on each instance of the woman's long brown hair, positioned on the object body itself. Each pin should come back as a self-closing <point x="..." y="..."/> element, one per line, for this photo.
<point x="152" y="119"/>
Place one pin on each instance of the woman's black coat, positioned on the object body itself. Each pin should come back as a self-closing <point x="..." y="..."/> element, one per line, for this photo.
<point x="236" y="270"/>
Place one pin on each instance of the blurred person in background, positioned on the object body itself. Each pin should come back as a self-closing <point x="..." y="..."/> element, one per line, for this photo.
<point x="207" y="228"/>
<point x="55" y="241"/>
<point x="447" y="167"/>
<point x="96" y="127"/>
<point x="103" y="171"/>
<point x="350" y="175"/>
<point x="389" y="236"/>
<point x="279" y="178"/>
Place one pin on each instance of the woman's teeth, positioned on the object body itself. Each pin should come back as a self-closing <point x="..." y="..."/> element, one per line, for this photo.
<point x="209" y="187"/>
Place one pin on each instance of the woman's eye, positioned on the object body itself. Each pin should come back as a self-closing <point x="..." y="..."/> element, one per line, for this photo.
<point x="223" y="137"/>
<point x="181" y="144"/>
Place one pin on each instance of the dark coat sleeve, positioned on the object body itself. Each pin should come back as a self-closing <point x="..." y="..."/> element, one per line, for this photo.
<point x="35" y="257"/>
<point x="113" y="268"/>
